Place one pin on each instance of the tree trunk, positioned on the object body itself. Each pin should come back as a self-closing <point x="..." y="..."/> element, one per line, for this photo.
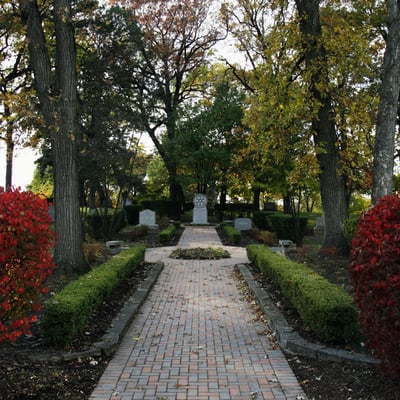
<point x="58" y="105"/>
<point x="256" y="198"/>
<point x="69" y="250"/>
<point x="9" y="144"/>
<point x="388" y="108"/>
<point x="175" y="189"/>
<point x="332" y="186"/>
<point x="286" y="204"/>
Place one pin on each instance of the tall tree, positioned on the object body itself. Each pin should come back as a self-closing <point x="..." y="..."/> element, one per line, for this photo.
<point x="57" y="96"/>
<point x="177" y="39"/>
<point x="109" y="72"/>
<point x="208" y="138"/>
<point x="332" y="184"/>
<point x="388" y="107"/>
<point x="307" y="77"/>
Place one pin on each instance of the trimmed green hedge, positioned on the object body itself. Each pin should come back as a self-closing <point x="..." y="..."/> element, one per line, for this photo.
<point x="233" y="234"/>
<point x="280" y="223"/>
<point x="234" y="209"/>
<point x="167" y="233"/>
<point x="67" y="312"/>
<point x="325" y="308"/>
<point x="163" y="208"/>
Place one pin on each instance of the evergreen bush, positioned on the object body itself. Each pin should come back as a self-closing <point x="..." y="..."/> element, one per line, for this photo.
<point x="324" y="307"/>
<point x="234" y="236"/>
<point x="67" y="312"/>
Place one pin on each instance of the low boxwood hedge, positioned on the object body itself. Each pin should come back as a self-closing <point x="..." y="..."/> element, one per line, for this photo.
<point x="233" y="234"/>
<point x="167" y="234"/>
<point x="324" y="307"/>
<point x="67" y="312"/>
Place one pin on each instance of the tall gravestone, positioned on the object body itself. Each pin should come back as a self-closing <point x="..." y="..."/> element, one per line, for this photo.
<point x="200" y="215"/>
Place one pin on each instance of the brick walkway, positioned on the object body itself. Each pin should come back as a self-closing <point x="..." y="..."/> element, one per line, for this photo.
<point x="196" y="338"/>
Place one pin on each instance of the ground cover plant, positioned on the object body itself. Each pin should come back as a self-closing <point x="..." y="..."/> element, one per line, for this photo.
<point x="200" y="253"/>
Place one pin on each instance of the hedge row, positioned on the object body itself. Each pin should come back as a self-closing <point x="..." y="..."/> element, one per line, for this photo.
<point x="67" y="312"/>
<point x="167" y="233"/>
<point x="163" y="208"/>
<point x="324" y="307"/>
<point x="235" y="209"/>
<point x="280" y="223"/>
<point x="233" y="234"/>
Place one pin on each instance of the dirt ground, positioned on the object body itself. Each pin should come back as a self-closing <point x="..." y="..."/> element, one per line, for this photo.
<point x="20" y="378"/>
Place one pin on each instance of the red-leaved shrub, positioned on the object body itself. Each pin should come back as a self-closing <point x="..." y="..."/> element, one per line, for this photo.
<point x="375" y="276"/>
<point x="25" y="260"/>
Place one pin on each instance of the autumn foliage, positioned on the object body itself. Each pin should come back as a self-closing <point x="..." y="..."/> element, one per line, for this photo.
<point x="375" y="275"/>
<point x="25" y="260"/>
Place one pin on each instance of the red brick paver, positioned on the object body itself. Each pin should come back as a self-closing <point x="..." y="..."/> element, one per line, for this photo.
<point x="196" y="338"/>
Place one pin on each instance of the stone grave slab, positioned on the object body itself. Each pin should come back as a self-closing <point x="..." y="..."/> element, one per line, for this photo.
<point x="243" y="224"/>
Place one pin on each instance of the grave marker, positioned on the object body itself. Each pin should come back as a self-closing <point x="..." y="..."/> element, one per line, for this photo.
<point x="148" y="217"/>
<point x="200" y="215"/>
<point x="243" y="224"/>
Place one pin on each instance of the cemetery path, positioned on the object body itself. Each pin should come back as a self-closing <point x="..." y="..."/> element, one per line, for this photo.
<point x="196" y="337"/>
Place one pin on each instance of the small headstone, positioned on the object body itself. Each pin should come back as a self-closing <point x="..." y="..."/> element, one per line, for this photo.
<point x="114" y="246"/>
<point x="148" y="217"/>
<point x="200" y="215"/>
<point x="285" y="245"/>
<point x="319" y="228"/>
<point x="111" y="244"/>
<point x="243" y="224"/>
<point x="320" y="223"/>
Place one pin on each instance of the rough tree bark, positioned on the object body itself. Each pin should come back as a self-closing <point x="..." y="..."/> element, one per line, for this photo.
<point x="10" y="145"/>
<point x="58" y="104"/>
<point x="388" y="107"/>
<point x="332" y="187"/>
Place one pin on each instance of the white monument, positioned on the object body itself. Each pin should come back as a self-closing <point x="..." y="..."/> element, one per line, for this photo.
<point x="200" y="215"/>
<point x="148" y="217"/>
